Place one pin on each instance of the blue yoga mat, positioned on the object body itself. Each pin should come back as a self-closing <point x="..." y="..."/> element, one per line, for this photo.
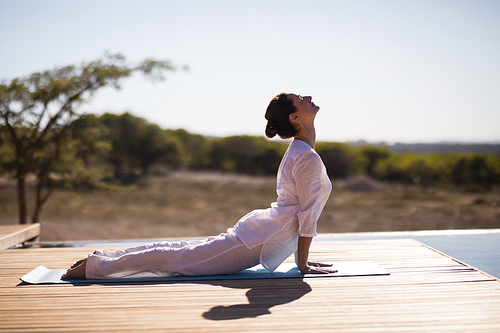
<point x="43" y="275"/>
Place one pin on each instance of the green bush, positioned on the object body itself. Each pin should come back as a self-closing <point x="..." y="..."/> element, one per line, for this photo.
<point x="252" y="155"/>
<point x="370" y="156"/>
<point x="341" y="160"/>
<point x="477" y="171"/>
<point x="128" y="144"/>
<point x="195" y="148"/>
<point x="411" y="169"/>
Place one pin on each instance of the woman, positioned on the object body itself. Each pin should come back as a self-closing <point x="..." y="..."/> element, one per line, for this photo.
<point x="265" y="236"/>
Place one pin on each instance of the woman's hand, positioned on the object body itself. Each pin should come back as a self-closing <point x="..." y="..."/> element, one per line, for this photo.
<point x="317" y="268"/>
<point x="309" y="267"/>
<point x="318" y="264"/>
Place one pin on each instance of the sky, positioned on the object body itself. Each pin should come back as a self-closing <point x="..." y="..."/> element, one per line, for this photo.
<point x="392" y="71"/>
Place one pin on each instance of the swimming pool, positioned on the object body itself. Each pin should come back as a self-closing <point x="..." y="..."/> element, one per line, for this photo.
<point x="478" y="248"/>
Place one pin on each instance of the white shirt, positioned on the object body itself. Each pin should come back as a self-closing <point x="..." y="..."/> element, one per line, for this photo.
<point x="303" y="187"/>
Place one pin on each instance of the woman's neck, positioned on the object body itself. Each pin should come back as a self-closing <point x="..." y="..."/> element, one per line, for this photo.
<point x="308" y="135"/>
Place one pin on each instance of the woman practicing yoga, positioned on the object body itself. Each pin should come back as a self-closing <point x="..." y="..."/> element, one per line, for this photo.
<point x="265" y="236"/>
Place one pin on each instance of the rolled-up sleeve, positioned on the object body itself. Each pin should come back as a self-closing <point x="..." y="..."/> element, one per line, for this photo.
<point x="308" y="170"/>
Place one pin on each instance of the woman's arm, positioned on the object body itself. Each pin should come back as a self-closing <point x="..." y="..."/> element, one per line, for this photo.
<point x="312" y="194"/>
<point x="305" y="266"/>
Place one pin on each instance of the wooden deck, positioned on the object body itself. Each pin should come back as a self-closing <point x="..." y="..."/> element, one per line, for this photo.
<point x="426" y="291"/>
<point x="11" y="235"/>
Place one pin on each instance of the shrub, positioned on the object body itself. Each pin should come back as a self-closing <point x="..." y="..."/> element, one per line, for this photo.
<point x="340" y="159"/>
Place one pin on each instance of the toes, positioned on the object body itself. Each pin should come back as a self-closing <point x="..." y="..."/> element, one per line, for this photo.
<point x="69" y="275"/>
<point x="76" y="271"/>
<point x="78" y="263"/>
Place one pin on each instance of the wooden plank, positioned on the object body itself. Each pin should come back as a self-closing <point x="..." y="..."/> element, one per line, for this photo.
<point x="11" y="235"/>
<point x="426" y="291"/>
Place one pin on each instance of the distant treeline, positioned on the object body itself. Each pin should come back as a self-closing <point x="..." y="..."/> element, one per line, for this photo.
<point x="106" y="149"/>
<point x="437" y="148"/>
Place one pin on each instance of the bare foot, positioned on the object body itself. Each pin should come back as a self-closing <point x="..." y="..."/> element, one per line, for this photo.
<point x="77" y="271"/>
<point x="79" y="262"/>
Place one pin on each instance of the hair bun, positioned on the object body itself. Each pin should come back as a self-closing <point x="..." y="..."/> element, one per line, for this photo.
<point x="271" y="128"/>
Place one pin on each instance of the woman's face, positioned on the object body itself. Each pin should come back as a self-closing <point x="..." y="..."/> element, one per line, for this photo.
<point x="304" y="104"/>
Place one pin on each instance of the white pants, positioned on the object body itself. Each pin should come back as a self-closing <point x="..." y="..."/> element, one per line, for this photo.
<point x="215" y="255"/>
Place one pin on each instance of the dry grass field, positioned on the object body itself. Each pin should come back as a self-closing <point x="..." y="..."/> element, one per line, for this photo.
<point x="186" y="204"/>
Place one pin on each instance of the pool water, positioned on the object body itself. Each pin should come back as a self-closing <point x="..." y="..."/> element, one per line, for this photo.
<point x="477" y="248"/>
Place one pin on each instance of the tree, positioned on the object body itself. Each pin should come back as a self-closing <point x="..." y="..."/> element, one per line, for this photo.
<point x="483" y="171"/>
<point x="123" y="134"/>
<point x="156" y="145"/>
<point x="195" y="149"/>
<point x="245" y="154"/>
<point x="138" y="144"/>
<point x="85" y="151"/>
<point x="372" y="155"/>
<point x="35" y="113"/>
<point x="340" y="159"/>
